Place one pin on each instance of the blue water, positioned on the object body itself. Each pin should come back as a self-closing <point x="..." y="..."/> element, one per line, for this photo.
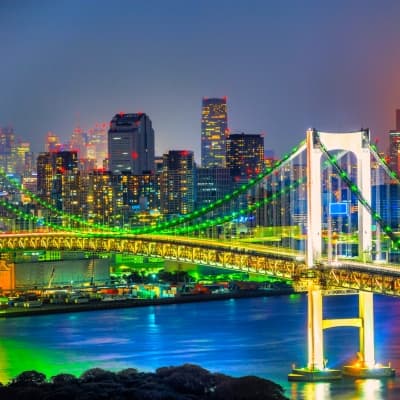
<point x="257" y="336"/>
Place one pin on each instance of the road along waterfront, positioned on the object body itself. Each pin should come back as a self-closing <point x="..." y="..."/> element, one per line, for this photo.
<point x="260" y="336"/>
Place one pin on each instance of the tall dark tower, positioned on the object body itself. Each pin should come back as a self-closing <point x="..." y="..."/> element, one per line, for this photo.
<point x="245" y="155"/>
<point x="214" y="131"/>
<point x="394" y="145"/>
<point x="131" y="144"/>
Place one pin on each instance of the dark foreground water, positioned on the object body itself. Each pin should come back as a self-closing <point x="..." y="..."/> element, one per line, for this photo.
<point x="257" y="336"/>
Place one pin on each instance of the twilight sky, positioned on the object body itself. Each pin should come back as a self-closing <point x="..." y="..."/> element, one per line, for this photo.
<point x="285" y="65"/>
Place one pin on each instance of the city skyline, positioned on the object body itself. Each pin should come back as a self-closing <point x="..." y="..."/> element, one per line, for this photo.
<point x="284" y="68"/>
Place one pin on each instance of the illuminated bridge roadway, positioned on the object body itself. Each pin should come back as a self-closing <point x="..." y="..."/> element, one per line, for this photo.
<point x="239" y="256"/>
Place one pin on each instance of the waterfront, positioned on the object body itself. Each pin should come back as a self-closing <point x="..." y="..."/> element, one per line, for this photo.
<point x="255" y="336"/>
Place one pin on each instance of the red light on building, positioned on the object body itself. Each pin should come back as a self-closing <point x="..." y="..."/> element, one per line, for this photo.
<point x="121" y="113"/>
<point x="134" y="155"/>
<point x="184" y="153"/>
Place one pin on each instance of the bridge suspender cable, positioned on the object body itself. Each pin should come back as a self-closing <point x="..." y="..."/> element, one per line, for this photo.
<point x="219" y="220"/>
<point x="357" y="192"/>
<point x="175" y="222"/>
<point x="229" y="197"/>
<point x="249" y="209"/>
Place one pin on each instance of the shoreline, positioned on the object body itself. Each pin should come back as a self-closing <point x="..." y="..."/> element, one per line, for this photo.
<point x="130" y="303"/>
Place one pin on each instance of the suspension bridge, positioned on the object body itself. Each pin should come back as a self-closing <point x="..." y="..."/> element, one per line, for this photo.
<point x="320" y="217"/>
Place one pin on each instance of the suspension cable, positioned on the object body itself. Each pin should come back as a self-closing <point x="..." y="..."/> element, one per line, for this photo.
<point x="357" y="192"/>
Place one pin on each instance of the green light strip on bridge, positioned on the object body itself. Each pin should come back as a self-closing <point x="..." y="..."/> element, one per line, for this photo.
<point x="392" y="174"/>
<point x="229" y="197"/>
<point x="54" y="210"/>
<point x="227" y="218"/>
<point x="230" y="217"/>
<point x="168" y="224"/>
<point x="29" y="217"/>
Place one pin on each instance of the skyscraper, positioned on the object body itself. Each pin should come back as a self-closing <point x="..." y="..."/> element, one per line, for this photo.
<point x="7" y="149"/>
<point x="58" y="180"/>
<point x="245" y="155"/>
<point x="66" y="186"/>
<point x="79" y="142"/>
<point x="131" y="144"/>
<point x="44" y="176"/>
<point x="213" y="184"/>
<point x="214" y="131"/>
<point x="97" y="145"/>
<point x="52" y="142"/>
<point x="177" y="182"/>
<point x="394" y="146"/>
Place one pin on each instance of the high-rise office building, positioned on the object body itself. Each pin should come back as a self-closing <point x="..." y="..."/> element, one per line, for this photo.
<point x="66" y="182"/>
<point x="44" y="176"/>
<point x="78" y="142"/>
<point x="7" y="149"/>
<point x="245" y="155"/>
<point x="131" y="144"/>
<point x="394" y="151"/>
<point x="97" y="144"/>
<point x="99" y="198"/>
<point x="213" y="184"/>
<point x="58" y="180"/>
<point x="177" y="193"/>
<point x="394" y="146"/>
<point x="386" y="201"/>
<point x="52" y="142"/>
<point x="214" y="131"/>
<point x="23" y="158"/>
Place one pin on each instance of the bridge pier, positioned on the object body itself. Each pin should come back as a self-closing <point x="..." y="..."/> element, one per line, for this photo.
<point x="365" y="367"/>
<point x="316" y="369"/>
<point x="319" y="143"/>
<point x="314" y="331"/>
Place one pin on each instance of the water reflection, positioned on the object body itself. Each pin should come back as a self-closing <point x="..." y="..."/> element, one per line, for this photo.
<point x="369" y="389"/>
<point x="262" y="337"/>
<point x="315" y="391"/>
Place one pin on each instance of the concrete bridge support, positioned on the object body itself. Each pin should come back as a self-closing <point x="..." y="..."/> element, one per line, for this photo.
<point x="314" y="331"/>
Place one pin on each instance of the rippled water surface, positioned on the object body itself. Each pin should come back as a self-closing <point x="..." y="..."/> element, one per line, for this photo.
<point x="257" y="336"/>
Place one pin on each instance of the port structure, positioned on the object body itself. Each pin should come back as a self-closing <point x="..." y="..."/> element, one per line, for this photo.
<point x="366" y="366"/>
